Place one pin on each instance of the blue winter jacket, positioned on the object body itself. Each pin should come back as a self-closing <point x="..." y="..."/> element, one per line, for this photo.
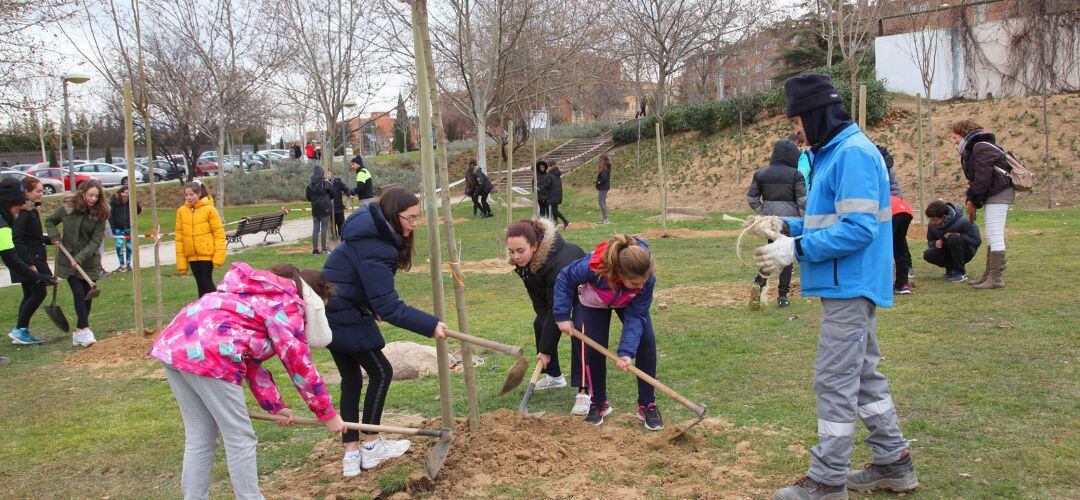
<point x="362" y="271"/>
<point x="635" y="314"/>
<point x="844" y="242"/>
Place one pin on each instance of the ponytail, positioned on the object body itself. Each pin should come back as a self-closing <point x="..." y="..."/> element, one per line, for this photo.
<point x="198" y="187"/>
<point x="625" y="257"/>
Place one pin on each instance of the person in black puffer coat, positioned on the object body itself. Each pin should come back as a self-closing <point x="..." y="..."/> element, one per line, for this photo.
<point x="29" y="264"/>
<point x="320" y="193"/>
<point x="539" y="253"/>
<point x="339" y="191"/>
<point x="951" y="238"/>
<point x="603" y="185"/>
<point x="483" y="189"/>
<point x="543" y="186"/>
<point x="120" y="223"/>
<point x="377" y="242"/>
<point x="555" y="195"/>
<point x="778" y="189"/>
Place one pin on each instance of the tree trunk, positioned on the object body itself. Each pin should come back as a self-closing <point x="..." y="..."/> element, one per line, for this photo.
<point x="221" y="170"/>
<point x="1046" y="154"/>
<point x="480" y="121"/>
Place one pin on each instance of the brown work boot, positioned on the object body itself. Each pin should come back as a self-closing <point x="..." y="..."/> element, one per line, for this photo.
<point x="985" y="274"/>
<point x="898" y="476"/>
<point x="808" y="489"/>
<point x="996" y="278"/>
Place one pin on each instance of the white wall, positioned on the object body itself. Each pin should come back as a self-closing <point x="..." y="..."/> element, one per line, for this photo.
<point x="896" y="57"/>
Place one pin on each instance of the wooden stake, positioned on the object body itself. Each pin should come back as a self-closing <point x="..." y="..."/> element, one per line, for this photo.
<point x="451" y="243"/>
<point x="663" y="176"/>
<point x="427" y="169"/>
<point x="918" y="119"/>
<point x="133" y="204"/>
<point x="862" y="107"/>
<point x="510" y="177"/>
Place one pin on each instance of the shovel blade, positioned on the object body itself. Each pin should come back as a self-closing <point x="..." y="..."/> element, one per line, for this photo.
<point x="437" y="457"/>
<point x="56" y="315"/>
<point x="94" y="293"/>
<point x="514" y="375"/>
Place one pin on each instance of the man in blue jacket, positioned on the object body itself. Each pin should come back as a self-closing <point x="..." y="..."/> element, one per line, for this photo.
<point x="844" y="248"/>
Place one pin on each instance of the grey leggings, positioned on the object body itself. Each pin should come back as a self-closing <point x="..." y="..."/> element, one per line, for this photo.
<point x="601" y="197"/>
<point x="210" y="406"/>
<point x="318" y="223"/>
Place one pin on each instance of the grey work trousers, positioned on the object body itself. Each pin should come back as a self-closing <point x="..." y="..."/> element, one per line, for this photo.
<point x="208" y="406"/>
<point x="319" y="225"/>
<point x="847" y="385"/>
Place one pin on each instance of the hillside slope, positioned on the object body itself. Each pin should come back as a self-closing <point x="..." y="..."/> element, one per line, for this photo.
<point x="704" y="171"/>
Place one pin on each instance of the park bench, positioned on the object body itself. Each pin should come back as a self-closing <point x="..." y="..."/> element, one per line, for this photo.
<point x="253" y="224"/>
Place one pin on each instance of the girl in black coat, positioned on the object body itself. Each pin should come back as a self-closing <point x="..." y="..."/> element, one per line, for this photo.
<point x="376" y="242"/>
<point x="538" y="253"/>
<point x="554" y="176"/>
<point x="483" y="188"/>
<point x="543" y="185"/>
<point x="603" y="185"/>
<point x="120" y="223"/>
<point x="26" y="260"/>
<point x="472" y="190"/>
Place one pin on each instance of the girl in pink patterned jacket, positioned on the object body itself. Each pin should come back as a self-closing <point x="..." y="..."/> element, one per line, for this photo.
<point x="220" y="340"/>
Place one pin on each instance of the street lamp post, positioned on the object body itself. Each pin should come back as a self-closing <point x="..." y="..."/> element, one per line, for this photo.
<point x="77" y="77"/>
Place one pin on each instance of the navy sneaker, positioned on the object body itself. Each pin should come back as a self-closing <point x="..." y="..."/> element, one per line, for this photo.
<point x="956" y="277"/>
<point x="651" y="416"/>
<point x="597" y="412"/>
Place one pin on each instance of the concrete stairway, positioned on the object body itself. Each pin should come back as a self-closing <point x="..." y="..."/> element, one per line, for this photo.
<point x="569" y="156"/>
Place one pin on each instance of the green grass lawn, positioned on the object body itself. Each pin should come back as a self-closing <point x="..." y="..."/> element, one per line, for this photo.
<point x="985" y="383"/>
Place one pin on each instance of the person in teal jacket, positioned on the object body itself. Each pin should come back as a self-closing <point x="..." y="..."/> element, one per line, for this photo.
<point x="806" y="158"/>
<point x="844" y="248"/>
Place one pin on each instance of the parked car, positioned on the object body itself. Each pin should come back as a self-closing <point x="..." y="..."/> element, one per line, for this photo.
<point x="279" y="153"/>
<point x="206" y="167"/>
<point x="22" y="167"/>
<point x="51" y="186"/>
<point x="59" y="174"/>
<point x="207" y="154"/>
<point x="109" y="175"/>
<point x="160" y="173"/>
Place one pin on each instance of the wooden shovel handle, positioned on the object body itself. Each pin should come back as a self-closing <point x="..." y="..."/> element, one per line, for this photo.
<point x="356" y="427"/>
<point x="536" y="374"/>
<point x="490" y="344"/>
<point x="698" y="410"/>
<point x="74" y="263"/>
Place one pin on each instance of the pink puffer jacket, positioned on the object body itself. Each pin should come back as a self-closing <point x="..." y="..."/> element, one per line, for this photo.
<point x="227" y="334"/>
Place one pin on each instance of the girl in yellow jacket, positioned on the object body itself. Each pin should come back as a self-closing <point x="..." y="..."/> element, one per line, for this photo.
<point x="200" y="237"/>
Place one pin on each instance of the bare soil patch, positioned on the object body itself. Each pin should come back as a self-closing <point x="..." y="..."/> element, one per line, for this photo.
<point x="655" y="233"/>
<point x="486" y="266"/>
<point x="455" y="220"/>
<point x="731" y="294"/>
<point x="580" y="225"/>
<point x="552" y="457"/>
<point x="120" y="356"/>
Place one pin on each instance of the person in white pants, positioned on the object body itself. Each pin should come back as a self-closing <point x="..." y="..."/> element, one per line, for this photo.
<point x="990" y="188"/>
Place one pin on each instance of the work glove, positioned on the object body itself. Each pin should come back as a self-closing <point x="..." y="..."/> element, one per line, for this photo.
<point x="768" y="227"/>
<point x="775" y="256"/>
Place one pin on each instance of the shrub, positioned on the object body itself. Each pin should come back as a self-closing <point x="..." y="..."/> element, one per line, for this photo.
<point x="288" y="183"/>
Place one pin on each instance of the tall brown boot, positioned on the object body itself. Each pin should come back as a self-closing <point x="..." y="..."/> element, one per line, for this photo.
<point x="985" y="274"/>
<point x="996" y="279"/>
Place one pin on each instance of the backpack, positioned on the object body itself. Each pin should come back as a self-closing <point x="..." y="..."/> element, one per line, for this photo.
<point x="1019" y="176"/>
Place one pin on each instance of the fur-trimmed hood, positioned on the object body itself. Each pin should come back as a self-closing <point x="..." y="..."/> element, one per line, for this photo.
<point x="547" y="244"/>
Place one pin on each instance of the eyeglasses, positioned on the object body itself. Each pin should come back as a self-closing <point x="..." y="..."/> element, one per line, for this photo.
<point x="410" y="220"/>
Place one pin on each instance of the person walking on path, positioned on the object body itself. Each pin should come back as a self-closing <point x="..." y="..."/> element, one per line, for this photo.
<point x="539" y="253"/>
<point x="951" y="240"/>
<point x="901" y="221"/>
<point x="603" y="185"/>
<point x="990" y="188"/>
<point x="365" y="184"/>
<point x="120" y="224"/>
<point x="543" y="188"/>
<point x="82" y="215"/>
<point x="843" y="244"/>
<point x="296" y="152"/>
<point x="617" y="276"/>
<point x="22" y="249"/>
<point x="200" y="237"/>
<point x="339" y="191"/>
<point x="484" y="188"/>
<point x="471" y="191"/>
<point x="376" y="243"/>
<point x="780" y="190"/>
<point x="221" y="340"/>
<point x="555" y="194"/>
<point x="320" y="192"/>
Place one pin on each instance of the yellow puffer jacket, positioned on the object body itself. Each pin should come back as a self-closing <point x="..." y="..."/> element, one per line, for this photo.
<point x="199" y="234"/>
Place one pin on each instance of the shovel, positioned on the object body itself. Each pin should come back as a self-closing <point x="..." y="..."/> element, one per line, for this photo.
<point x="56" y="314"/>
<point x="94" y="291"/>
<point x="515" y="374"/>
<point x="435" y="459"/>
<point x="671" y="434"/>
<point x="523" y="407"/>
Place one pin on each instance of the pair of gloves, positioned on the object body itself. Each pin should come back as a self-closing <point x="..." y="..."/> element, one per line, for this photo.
<point x="775" y="256"/>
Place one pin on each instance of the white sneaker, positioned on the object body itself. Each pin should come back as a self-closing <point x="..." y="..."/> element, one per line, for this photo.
<point x="550" y="382"/>
<point x="76" y="338"/>
<point x="372" y="457"/>
<point x="88" y="338"/>
<point x="351" y="464"/>
<point x="581" y="404"/>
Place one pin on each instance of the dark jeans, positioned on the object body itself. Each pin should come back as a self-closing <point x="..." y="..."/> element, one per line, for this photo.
<point x="33" y="296"/>
<point x="379" y="372"/>
<point x="595" y="323"/>
<point x="543" y="208"/>
<point x="556" y="215"/>
<point x="476" y="208"/>
<point x="484" y="204"/>
<point x="553" y="369"/>
<point x="79" y="289"/>
<point x="900" y="252"/>
<point x="339" y="219"/>
<point x="203" y="271"/>
<point x="952" y="255"/>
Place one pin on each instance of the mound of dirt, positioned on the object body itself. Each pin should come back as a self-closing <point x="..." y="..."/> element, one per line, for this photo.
<point x="655" y="233"/>
<point x="732" y="294"/>
<point x="486" y="266"/>
<point x="678" y="217"/>
<point x="580" y="225"/>
<point x="300" y="250"/>
<point x="127" y="349"/>
<point x="552" y="457"/>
